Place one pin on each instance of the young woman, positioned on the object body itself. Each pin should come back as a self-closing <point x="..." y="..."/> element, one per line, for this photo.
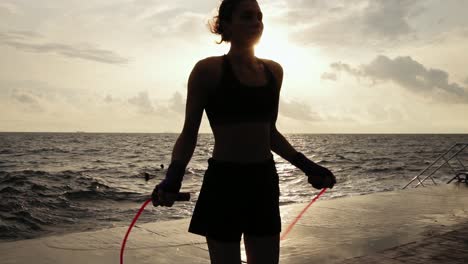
<point x="240" y="190"/>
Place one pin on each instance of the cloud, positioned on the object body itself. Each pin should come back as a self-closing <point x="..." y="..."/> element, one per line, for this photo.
<point x="297" y="110"/>
<point x="9" y="9"/>
<point x="177" y="103"/>
<point x="41" y="91"/>
<point x="338" y="66"/>
<point x="33" y="96"/>
<point x="408" y="74"/>
<point x="339" y="23"/>
<point x="26" y="41"/>
<point x="30" y="102"/>
<point x="173" y="107"/>
<point x="142" y="102"/>
<point x="20" y="34"/>
<point x="329" y="76"/>
<point x="157" y="18"/>
<point x="142" y="9"/>
<point x="108" y="99"/>
<point x="388" y="19"/>
<point x="178" y="23"/>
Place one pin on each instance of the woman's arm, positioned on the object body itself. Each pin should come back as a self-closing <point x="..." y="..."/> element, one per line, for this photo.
<point x="197" y="96"/>
<point x="281" y="146"/>
<point x="166" y="192"/>
<point x="278" y="143"/>
<point x="317" y="175"/>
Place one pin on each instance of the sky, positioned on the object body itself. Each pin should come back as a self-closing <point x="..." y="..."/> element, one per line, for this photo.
<point x="350" y="66"/>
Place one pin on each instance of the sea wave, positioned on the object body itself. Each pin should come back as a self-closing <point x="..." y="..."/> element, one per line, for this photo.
<point x="60" y="181"/>
<point x="49" y="199"/>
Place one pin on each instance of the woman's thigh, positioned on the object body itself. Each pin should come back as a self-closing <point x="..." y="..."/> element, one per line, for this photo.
<point x="262" y="249"/>
<point x="222" y="252"/>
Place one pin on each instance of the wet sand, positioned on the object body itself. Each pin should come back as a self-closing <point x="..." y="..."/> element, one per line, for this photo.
<point x="451" y="247"/>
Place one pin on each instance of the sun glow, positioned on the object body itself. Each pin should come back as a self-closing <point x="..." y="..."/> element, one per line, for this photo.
<point x="275" y="45"/>
<point x="303" y="66"/>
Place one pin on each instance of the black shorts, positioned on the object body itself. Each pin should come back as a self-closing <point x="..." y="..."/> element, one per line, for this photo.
<point x="237" y="198"/>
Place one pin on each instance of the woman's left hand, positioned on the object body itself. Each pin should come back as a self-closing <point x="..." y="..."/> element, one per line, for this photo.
<point x="321" y="177"/>
<point x="163" y="198"/>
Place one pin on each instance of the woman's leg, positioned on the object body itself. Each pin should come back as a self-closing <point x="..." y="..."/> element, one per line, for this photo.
<point x="222" y="252"/>
<point x="262" y="249"/>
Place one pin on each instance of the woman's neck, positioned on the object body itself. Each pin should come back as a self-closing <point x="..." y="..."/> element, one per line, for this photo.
<point x="242" y="55"/>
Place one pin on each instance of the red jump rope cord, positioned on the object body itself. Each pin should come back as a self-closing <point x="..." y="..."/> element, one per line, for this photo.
<point x="301" y="213"/>
<point x="149" y="200"/>
<point x="130" y="228"/>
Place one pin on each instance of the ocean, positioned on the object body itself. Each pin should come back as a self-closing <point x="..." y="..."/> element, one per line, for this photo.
<point x="56" y="183"/>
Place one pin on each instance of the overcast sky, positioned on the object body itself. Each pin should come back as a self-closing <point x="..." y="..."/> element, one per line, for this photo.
<point x="351" y="66"/>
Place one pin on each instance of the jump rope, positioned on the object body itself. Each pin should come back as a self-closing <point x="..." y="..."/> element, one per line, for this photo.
<point x="183" y="196"/>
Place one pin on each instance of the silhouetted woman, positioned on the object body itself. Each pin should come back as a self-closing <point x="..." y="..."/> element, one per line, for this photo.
<point x="240" y="190"/>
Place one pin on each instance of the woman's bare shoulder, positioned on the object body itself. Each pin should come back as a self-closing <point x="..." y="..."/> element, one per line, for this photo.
<point x="210" y="65"/>
<point x="210" y="69"/>
<point x="275" y="68"/>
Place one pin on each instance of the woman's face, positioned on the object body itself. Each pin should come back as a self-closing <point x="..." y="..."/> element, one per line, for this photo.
<point x="246" y="26"/>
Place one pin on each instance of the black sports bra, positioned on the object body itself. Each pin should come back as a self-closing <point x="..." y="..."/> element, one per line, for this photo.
<point x="234" y="102"/>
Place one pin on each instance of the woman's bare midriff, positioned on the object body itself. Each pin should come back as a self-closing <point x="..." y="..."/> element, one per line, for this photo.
<point x="242" y="142"/>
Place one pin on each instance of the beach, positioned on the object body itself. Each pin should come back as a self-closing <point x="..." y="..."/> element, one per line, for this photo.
<point x="402" y="226"/>
<point x="450" y="247"/>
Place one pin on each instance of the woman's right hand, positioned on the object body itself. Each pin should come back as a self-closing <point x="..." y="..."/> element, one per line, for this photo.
<point x="318" y="176"/>
<point x="163" y="198"/>
<point x="321" y="177"/>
